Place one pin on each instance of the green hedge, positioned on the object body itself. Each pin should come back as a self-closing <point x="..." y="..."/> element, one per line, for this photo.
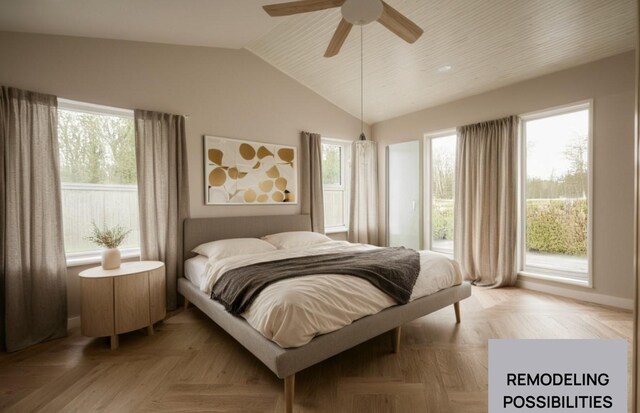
<point x="557" y="226"/>
<point x="442" y="224"/>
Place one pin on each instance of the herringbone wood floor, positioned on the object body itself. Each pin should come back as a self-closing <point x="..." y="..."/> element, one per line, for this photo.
<point x="192" y="365"/>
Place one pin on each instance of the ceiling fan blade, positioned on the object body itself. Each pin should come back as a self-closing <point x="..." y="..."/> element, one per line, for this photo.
<point x="340" y="35"/>
<point x="302" y="6"/>
<point x="396" y="22"/>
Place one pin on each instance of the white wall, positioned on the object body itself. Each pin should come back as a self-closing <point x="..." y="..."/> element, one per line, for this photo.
<point x="230" y="93"/>
<point x="610" y="83"/>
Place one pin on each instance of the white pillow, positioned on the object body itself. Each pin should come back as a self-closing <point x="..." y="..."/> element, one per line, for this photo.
<point x="293" y="239"/>
<point x="230" y="247"/>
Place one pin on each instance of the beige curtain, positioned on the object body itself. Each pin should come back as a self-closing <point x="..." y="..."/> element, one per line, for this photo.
<point x="363" y="214"/>
<point x="163" y="191"/>
<point x="33" y="271"/>
<point x="312" y="200"/>
<point x="485" y="202"/>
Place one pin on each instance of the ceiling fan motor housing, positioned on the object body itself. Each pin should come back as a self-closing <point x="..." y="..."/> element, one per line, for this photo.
<point x="361" y="12"/>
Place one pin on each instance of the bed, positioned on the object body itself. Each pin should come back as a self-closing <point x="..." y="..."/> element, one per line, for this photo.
<point x="286" y="362"/>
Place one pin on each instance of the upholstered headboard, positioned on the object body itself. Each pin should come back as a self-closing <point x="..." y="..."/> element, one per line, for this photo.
<point x="200" y="230"/>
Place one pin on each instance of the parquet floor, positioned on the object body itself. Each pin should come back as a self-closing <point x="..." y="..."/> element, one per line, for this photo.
<point x="192" y="365"/>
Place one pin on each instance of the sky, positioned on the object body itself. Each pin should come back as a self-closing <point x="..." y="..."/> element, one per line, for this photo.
<point x="547" y="140"/>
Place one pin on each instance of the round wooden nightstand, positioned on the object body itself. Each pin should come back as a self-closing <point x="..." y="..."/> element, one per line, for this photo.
<point x="121" y="300"/>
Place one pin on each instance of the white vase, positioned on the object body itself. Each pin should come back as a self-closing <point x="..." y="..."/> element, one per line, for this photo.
<point x="110" y="259"/>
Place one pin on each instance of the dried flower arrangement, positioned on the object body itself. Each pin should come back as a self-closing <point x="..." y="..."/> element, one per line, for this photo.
<point x="108" y="237"/>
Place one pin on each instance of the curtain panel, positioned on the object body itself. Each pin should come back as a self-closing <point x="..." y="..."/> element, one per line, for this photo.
<point x="312" y="200"/>
<point x="485" y="202"/>
<point x="363" y="205"/>
<point x="33" y="270"/>
<point x="163" y="191"/>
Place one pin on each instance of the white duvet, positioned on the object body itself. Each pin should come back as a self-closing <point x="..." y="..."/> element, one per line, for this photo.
<point x="292" y="312"/>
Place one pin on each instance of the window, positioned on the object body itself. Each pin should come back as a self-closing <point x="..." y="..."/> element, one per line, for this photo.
<point x="441" y="156"/>
<point x="336" y="156"/>
<point x="555" y="192"/>
<point x="98" y="174"/>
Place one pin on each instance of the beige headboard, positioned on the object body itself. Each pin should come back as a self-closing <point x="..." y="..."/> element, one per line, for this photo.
<point x="200" y="230"/>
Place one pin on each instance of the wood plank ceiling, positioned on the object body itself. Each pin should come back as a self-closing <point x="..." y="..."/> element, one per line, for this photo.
<point x="487" y="43"/>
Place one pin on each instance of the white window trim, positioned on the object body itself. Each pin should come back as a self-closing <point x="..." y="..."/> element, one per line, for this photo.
<point x="427" y="236"/>
<point x="93" y="109"/>
<point x="555" y="275"/>
<point x="75" y="259"/>
<point x="336" y="230"/>
<point x="345" y="179"/>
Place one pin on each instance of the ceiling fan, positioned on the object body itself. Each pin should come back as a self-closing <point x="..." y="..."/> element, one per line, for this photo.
<point x="358" y="12"/>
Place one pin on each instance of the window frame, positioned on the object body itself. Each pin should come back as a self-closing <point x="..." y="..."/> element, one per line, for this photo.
<point x="427" y="198"/>
<point x="75" y="259"/>
<point x="345" y="182"/>
<point x="559" y="276"/>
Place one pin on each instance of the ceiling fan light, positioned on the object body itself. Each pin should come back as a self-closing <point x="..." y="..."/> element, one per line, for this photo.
<point x="361" y="12"/>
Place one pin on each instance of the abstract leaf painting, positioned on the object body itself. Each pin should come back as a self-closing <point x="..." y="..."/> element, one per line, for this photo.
<point x="246" y="172"/>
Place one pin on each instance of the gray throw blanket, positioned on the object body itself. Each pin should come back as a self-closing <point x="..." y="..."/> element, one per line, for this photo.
<point x="392" y="270"/>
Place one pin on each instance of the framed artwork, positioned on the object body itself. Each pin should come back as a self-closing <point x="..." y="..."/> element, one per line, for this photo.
<point x="249" y="173"/>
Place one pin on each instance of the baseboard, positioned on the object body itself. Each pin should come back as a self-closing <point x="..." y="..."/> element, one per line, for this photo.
<point x="618" y="302"/>
<point x="73" y="322"/>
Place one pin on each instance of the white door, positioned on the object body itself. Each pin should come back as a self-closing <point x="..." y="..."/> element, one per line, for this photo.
<point x="404" y="195"/>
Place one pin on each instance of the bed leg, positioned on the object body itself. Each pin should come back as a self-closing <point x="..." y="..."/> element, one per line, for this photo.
<point x="396" y="339"/>
<point x="186" y="303"/>
<point x="289" y="383"/>
<point x="456" y="307"/>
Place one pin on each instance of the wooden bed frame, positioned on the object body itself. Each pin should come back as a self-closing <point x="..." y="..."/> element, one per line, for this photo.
<point x="286" y="362"/>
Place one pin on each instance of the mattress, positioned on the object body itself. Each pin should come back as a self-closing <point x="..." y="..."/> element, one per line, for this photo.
<point x="292" y="312"/>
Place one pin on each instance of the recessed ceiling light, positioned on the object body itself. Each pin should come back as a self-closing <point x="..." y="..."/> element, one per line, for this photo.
<point x="444" y="68"/>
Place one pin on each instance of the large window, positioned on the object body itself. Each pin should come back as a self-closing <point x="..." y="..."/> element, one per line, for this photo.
<point x="441" y="155"/>
<point x="335" y="179"/>
<point x="98" y="174"/>
<point x="556" y="193"/>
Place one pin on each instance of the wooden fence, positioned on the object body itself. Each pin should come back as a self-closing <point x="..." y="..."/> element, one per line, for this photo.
<point x="110" y="205"/>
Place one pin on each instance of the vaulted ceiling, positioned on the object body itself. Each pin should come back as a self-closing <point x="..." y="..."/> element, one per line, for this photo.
<point x="485" y="43"/>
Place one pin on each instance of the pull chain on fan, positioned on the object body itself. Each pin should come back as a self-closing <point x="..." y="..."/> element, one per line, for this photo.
<point x="362" y="136"/>
<point x="358" y="12"/>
